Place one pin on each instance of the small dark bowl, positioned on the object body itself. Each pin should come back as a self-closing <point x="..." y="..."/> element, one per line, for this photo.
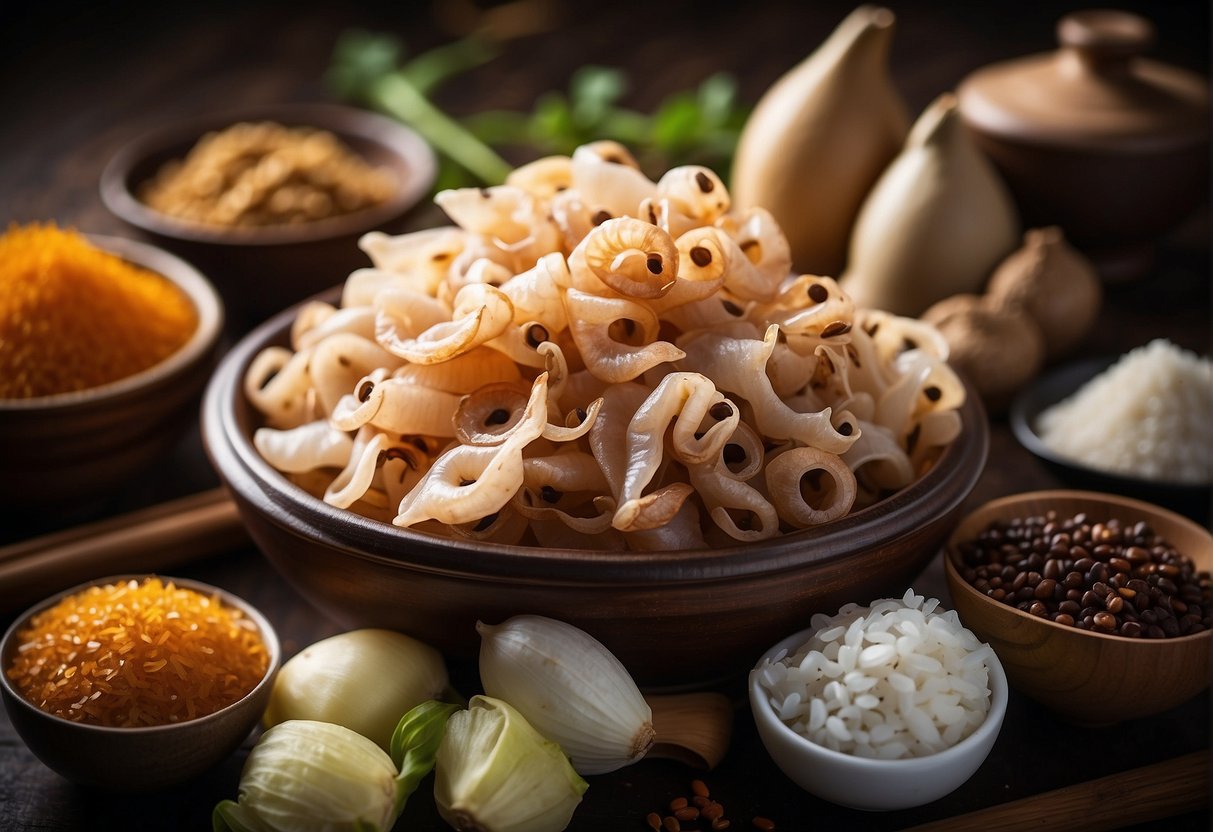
<point x="675" y="619"/>
<point x="137" y="759"/>
<point x="63" y="452"/>
<point x="260" y="271"/>
<point x="1192" y="500"/>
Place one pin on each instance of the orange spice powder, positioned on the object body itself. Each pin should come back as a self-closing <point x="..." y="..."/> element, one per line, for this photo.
<point x="74" y="317"/>
<point x="137" y="653"/>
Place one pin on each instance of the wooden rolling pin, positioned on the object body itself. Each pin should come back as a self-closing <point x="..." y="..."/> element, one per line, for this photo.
<point x="148" y="540"/>
<point x="1131" y="797"/>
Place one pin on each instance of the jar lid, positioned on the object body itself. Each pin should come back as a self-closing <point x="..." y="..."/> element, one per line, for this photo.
<point x="1095" y="91"/>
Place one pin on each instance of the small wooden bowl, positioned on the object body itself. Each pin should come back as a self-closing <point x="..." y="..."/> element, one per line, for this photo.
<point x="675" y="619"/>
<point x="260" y="271"/>
<point x="137" y="759"/>
<point x="1084" y="676"/>
<point x="68" y="452"/>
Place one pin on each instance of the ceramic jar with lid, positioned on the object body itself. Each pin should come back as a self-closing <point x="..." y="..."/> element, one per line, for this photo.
<point x="1096" y="138"/>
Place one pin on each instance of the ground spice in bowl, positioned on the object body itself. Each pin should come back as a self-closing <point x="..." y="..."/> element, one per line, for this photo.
<point x="137" y="653"/>
<point x="255" y="174"/>
<point x="74" y="317"/>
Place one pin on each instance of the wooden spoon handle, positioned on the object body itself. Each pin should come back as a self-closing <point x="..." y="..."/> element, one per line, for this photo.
<point x="147" y="540"/>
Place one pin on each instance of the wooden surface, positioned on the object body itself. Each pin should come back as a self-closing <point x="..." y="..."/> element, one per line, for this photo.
<point x="75" y="88"/>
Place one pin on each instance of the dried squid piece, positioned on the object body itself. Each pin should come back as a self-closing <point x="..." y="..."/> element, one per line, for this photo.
<point x="311" y="330"/>
<point x="701" y="267"/>
<point x="811" y="311"/>
<point x="354" y="480"/>
<point x="809" y="487"/>
<point x="924" y="384"/>
<point x="878" y="458"/>
<point x="682" y="531"/>
<point x="535" y="506"/>
<point x="690" y="400"/>
<point x="305" y="448"/>
<point x="739" y="367"/>
<point x="401" y="468"/>
<point x="764" y="245"/>
<point x="419" y="259"/>
<point x="607" y="178"/>
<point x="608" y="436"/>
<point x="732" y="504"/>
<point x="537" y="293"/>
<point x="481" y="313"/>
<point x="668" y="215"/>
<point x="469" y="482"/>
<point x="508" y="216"/>
<point x="554" y="475"/>
<point x="402" y="314"/>
<point x="714" y="313"/>
<point x="543" y="178"/>
<point x="697" y="190"/>
<point x="936" y="429"/>
<point x="463" y="373"/>
<point x="892" y="334"/>
<point x="279" y="385"/>
<point x="340" y="360"/>
<point x="489" y="414"/>
<point x="573" y="217"/>
<point x="633" y="258"/>
<point x="397" y="406"/>
<point x="591" y="322"/>
<point x="503" y="526"/>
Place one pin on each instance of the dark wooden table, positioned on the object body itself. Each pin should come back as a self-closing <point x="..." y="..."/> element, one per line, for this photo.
<point x="76" y="84"/>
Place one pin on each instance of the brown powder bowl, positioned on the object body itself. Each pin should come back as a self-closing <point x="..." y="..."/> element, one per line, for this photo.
<point x="262" y="270"/>
<point x="1085" y="676"/>
<point x="137" y="759"/>
<point x="67" y="453"/>
<point x="675" y="619"/>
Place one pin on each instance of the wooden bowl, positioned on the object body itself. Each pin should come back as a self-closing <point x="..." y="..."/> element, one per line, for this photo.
<point x="675" y="619"/>
<point x="1085" y="676"/>
<point x="63" y="452"/>
<point x="260" y="271"/>
<point x="137" y="759"/>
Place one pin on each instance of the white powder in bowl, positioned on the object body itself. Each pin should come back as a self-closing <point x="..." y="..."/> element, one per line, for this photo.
<point x="896" y="679"/>
<point x="1149" y="415"/>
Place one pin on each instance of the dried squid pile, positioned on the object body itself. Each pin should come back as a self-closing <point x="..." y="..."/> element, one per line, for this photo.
<point x="591" y="359"/>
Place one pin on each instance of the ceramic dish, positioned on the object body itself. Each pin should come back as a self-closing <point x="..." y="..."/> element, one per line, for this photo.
<point x="70" y="450"/>
<point x="260" y="271"/>
<point x="650" y="608"/>
<point x="137" y="759"/>
<point x="1191" y="500"/>
<point x="863" y="783"/>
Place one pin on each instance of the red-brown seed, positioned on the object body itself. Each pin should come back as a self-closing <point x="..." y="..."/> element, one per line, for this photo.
<point x="699" y="801"/>
<point x="765" y="824"/>
<point x="720" y="823"/>
<point x="687" y="813"/>
<point x="699" y="788"/>
<point x="678" y="803"/>
<point x="712" y="811"/>
<point x="654" y="821"/>
<point x="671" y="824"/>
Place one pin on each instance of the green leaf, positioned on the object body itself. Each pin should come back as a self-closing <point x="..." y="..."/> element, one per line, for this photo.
<point x="593" y="90"/>
<point x="429" y="69"/>
<point x="677" y="123"/>
<point x="359" y="59"/>
<point x="717" y="96"/>
<point x="414" y="745"/>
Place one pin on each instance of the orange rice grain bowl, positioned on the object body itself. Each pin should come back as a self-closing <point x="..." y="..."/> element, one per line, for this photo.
<point x="175" y="676"/>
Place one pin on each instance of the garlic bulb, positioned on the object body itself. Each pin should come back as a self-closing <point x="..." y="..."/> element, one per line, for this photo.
<point x="304" y="775"/>
<point x="364" y="680"/>
<point x="495" y="773"/>
<point x="570" y="687"/>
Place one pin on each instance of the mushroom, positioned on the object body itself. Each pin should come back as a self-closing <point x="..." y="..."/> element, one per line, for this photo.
<point x="998" y="350"/>
<point x="1054" y="284"/>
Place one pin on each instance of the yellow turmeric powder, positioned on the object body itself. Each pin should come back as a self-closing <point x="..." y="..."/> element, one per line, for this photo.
<point x="74" y="317"/>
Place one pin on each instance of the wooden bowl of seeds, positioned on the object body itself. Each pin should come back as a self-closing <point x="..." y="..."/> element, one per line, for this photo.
<point x="1097" y="605"/>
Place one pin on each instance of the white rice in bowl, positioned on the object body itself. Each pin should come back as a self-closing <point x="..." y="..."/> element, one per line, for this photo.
<point x="897" y="679"/>
<point x="1148" y="416"/>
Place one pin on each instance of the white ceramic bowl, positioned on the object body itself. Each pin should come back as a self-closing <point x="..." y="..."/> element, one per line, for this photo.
<point x="862" y="783"/>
